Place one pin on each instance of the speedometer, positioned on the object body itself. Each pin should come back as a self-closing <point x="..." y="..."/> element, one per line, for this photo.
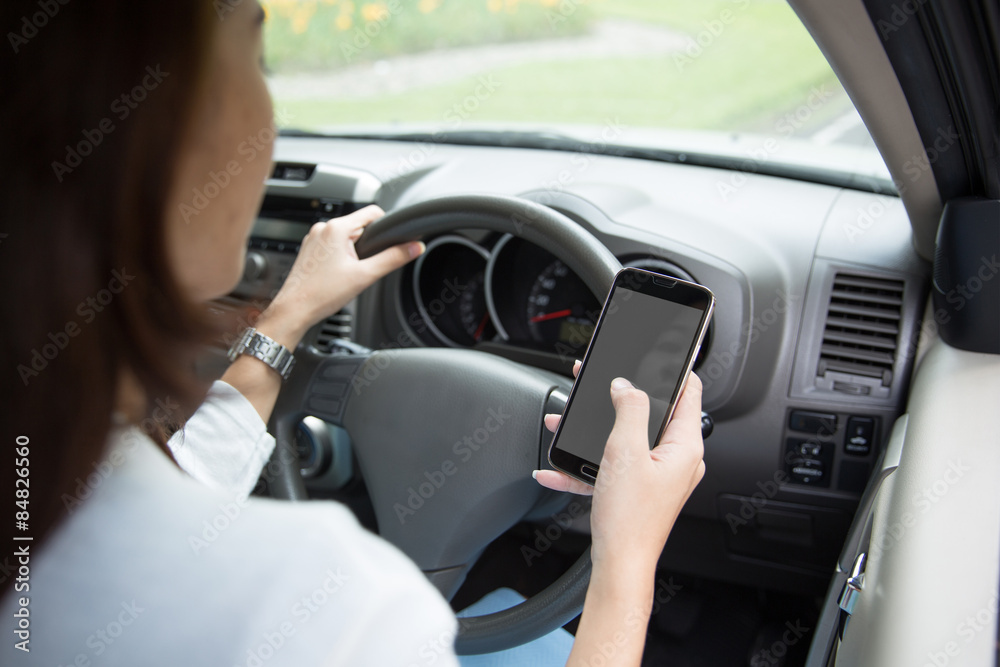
<point x="561" y="311"/>
<point x="537" y="301"/>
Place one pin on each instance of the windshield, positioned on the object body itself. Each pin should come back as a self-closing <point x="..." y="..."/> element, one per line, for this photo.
<point x="741" y="78"/>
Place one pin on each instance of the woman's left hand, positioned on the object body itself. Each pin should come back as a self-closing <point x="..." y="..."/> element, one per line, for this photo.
<point x="327" y="273"/>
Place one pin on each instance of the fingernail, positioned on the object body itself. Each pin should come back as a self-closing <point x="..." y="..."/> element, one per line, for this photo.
<point x="534" y="474"/>
<point x="620" y="383"/>
<point x="417" y="249"/>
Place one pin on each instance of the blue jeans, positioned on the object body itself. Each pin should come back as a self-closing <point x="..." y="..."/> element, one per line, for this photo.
<point x="551" y="649"/>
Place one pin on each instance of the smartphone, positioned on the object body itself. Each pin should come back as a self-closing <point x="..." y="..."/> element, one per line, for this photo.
<point x="649" y="332"/>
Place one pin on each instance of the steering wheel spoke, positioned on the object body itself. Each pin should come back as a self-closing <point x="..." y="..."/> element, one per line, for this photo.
<point x="446" y="441"/>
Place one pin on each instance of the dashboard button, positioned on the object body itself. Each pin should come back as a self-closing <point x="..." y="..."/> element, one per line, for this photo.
<point x="255" y="267"/>
<point x="809" y="462"/>
<point x="806" y="471"/>
<point x="812" y="422"/>
<point x="860" y="436"/>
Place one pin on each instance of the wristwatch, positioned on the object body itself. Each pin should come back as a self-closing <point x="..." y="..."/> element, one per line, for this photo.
<point x="268" y="350"/>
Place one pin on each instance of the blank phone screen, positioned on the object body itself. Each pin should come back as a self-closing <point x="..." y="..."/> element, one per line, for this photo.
<point x="643" y="339"/>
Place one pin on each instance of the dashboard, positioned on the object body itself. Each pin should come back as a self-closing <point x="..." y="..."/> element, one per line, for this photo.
<point x="807" y="364"/>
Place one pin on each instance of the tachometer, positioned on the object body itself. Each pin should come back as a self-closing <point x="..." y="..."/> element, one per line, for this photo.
<point x="476" y="321"/>
<point x="449" y="292"/>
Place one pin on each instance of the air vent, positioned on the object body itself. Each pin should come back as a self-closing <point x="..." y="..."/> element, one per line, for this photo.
<point x="336" y="326"/>
<point x="861" y="335"/>
<point x="289" y="171"/>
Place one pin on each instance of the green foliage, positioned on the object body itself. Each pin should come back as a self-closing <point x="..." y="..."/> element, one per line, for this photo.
<point x="327" y="34"/>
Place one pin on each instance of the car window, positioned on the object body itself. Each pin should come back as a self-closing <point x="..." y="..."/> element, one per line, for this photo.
<point x="739" y="77"/>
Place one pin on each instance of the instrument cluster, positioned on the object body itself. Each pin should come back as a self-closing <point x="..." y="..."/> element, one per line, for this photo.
<point x="502" y="289"/>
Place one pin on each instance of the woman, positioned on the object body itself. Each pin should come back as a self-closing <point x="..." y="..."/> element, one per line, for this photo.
<point x="121" y="111"/>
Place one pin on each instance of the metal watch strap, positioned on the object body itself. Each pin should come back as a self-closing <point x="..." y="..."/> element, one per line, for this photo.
<point x="268" y="350"/>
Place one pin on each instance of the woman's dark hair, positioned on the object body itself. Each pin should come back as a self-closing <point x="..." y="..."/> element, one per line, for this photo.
<point x="98" y="99"/>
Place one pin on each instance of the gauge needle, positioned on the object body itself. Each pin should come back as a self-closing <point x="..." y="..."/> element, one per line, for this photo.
<point x="552" y="316"/>
<point x="482" y="327"/>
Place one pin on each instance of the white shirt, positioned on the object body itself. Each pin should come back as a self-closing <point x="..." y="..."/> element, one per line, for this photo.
<point x="154" y="567"/>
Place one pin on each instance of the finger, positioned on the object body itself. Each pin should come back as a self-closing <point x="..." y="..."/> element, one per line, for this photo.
<point x="557" y="481"/>
<point x="353" y="224"/>
<point x="685" y="426"/>
<point x="631" y="417"/>
<point x="364" y="216"/>
<point x="576" y="367"/>
<point x="552" y="422"/>
<point x="391" y="259"/>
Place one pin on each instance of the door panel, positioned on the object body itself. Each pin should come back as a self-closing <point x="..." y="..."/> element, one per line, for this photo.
<point x="931" y="581"/>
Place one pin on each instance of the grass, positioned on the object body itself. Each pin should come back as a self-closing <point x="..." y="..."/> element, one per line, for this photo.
<point x="753" y="63"/>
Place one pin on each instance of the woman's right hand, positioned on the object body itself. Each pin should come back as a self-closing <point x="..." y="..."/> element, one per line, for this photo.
<point x="639" y="492"/>
<point x="638" y="496"/>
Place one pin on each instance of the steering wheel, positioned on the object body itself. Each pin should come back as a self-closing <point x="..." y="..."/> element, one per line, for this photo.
<point x="446" y="439"/>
